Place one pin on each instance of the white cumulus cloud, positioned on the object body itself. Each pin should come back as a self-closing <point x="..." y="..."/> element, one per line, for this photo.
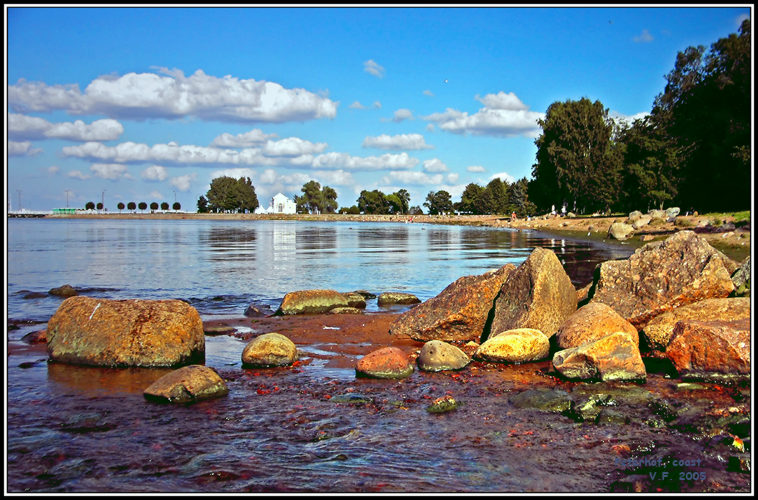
<point x="53" y="169"/>
<point x="183" y="182"/>
<point x="173" y="95"/>
<point x="155" y="173"/>
<point x="475" y="168"/>
<point x="503" y="176"/>
<point x="373" y="68"/>
<point x="23" y="148"/>
<point x="402" y="114"/>
<point x="110" y="171"/>
<point x="397" y="142"/>
<point x="292" y="146"/>
<point x="253" y="138"/>
<point x="503" y="115"/>
<point x="357" y="105"/>
<point x="644" y="37"/>
<point x="434" y="165"/>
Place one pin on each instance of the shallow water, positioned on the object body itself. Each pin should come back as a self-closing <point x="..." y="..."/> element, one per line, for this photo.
<point x="223" y="266"/>
<point x="313" y="427"/>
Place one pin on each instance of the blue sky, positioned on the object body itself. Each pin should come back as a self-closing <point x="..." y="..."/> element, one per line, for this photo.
<point x="150" y="104"/>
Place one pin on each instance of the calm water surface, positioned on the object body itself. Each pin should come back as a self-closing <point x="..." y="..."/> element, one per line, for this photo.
<point x="222" y="267"/>
<point x="88" y="429"/>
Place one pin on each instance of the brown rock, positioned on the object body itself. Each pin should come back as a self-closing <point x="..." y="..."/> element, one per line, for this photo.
<point x="149" y="333"/>
<point x="388" y="362"/>
<point x="711" y="346"/>
<point x="400" y="298"/>
<point x="593" y="322"/>
<point x="538" y="295"/>
<point x="38" y="337"/>
<point x="458" y="313"/>
<point x="187" y="385"/>
<point x="63" y="291"/>
<point x="663" y="275"/>
<point x="615" y="357"/>
<point x="269" y="349"/>
<point x="311" y="302"/>
<point x="583" y="295"/>
<point x="437" y="356"/>
<point x="520" y="345"/>
<point x="620" y="230"/>
<point x="660" y="329"/>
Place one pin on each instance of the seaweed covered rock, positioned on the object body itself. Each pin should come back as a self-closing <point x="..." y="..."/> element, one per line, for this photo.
<point x="661" y="276"/>
<point x="187" y="385"/>
<point x="520" y="345"/>
<point x="659" y="331"/>
<point x="614" y="357"/>
<point x="437" y="355"/>
<point x="63" y="291"/>
<point x="538" y="294"/>
<point x="119" y="333"/>
<point x="387" y="362"/>
<point x="396" y="298"/>
<point x="458" y="313"/>
<point x="741" y="279"/>
<point x="311" y="302"/>
<point x="592" y="322"/>
<point x="268" y="350"/>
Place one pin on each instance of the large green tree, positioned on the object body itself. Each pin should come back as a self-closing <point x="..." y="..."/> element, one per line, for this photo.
<point x="472" y="200"/>
<point x="438" y="202"/>
<point x="372" y="202"/>
<point x="576" y="159"/>
<point x="705" y="109"/>
<point x="316" y="199"/>
<point x="227" y="194"/>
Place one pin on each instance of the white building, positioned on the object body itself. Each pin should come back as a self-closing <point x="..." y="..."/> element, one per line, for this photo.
<point x="280" y="204"/>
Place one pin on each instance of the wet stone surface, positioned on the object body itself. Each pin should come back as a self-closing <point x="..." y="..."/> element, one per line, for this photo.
<point x="314" y="426"/>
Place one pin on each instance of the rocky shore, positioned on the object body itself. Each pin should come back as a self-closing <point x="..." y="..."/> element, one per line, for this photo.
<point x="658" y="342"/>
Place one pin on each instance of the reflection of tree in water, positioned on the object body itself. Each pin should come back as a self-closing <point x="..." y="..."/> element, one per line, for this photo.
<point x="317" y="238"/>
<point x="230" y="243"/>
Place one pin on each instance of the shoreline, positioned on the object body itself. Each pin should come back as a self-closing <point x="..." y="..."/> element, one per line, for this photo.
<point x="735" y="244"/>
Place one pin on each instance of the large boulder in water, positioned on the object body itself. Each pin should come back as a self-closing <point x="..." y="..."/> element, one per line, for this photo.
<point x="538" y="294"/>
<point x="187" y="385"/>
<point x="311" y="302"/>
<point x="592" y="322"/>
<point x="458" y="313"/>
<point x="120" y="333"/>
<point x="615" y="357"/>
<point x="661" y="276"/>
<point x="660" y="329"/>
<point x="620" y="230"/>
<point x="706" y="347"/>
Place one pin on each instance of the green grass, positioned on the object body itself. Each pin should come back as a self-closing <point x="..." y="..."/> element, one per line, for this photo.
<point x="739" y="218"/>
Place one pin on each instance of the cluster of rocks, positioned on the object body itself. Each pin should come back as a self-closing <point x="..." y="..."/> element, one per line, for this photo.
<point x="334" y="302"/>
<point x="637" y="220"/>
<point x="675" y="298"/>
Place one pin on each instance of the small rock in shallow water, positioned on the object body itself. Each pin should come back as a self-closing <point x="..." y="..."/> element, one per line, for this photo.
<point x="388" y="362"/>
<point x="63" y="291"/>
<point x="187" y="385"/>
<point x="399" y="298"/>
<point x="443" y="405"/>
<point x="437" y="355"/>
<point x="268" y="350"/>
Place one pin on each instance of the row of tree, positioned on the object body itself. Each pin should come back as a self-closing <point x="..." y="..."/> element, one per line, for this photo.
<point x="693" y="150"/>
<point x="90" y="205"/>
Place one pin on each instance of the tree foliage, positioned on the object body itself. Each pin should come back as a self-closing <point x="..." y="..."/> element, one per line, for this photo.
<point x="131" y="205"/>
<point x="316" y="200"/>
<point x="120" y="206"/>
<point x="142" y="205"/>
<point x="438" y="202"/>
<point x="376" y="202"/>
<point x="202" y="205"/>
<point x="576" y="160"/>
<point x="227" y="194"/>
<point x="177" y="206"/>
<point x="90" y="205"/>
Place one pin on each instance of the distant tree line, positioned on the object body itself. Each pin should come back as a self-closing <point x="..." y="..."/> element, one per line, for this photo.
<point x="692" y="150"/>
<point x="90" y="205"/>
<point x="227" y="194"/>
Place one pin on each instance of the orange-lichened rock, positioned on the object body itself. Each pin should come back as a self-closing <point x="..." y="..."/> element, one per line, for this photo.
<point x="593" y="322"/>
<point x="663" y="275"/>
<point x="538" y="294"/>
<point x="148" y="333"/>
<point x="458" y="313"/>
